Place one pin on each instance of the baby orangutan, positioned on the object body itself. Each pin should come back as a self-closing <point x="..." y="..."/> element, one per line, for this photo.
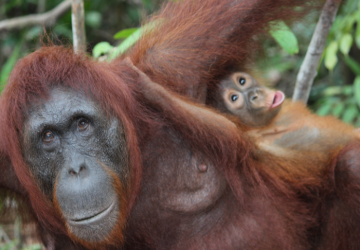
<point x="279" y="125"/>
<point x="245" y="98"/>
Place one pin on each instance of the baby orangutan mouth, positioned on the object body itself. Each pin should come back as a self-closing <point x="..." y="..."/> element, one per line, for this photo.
<point x="279" y="98"/>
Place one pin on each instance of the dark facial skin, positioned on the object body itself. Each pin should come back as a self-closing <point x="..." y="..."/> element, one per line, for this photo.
<point x="70" y="145"/>
<point x="243" y="96"/>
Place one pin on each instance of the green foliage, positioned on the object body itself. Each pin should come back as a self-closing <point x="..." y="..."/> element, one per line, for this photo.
<point x="12" y="245"/>
<point x="325" y="108"/>
<point x="345" y="43"/>
<point x="127" y="43"/>
<point x="342" y="100"/>
<point x="8" y="246"/>
<point x="125" y="33"/>
<point x="330" y="55"/>
<point x="33" y="247"/>
<point x="33" y="33"/>
<point x="279" y="31"/>
<point x="130" y="36"/>
<point x="350" y="113"/>
<point x="63" y="31"/>
<point x="352" y="64"/>
<point x="9" y="65"/>
<point x="101" y="22"/>
<point x="93" y="19"/>
<point x="284" y="37"/>
<point x="357" y="90"/>
<point x="102" y="48"/>
<point x="357" y="33"/>
<point x="343" y="33"/>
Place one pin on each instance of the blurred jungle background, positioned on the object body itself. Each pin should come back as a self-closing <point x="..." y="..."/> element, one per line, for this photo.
<point x="112" y="26"/>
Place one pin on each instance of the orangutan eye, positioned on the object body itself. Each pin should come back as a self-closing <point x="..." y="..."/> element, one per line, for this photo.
<point x="242" y="81"/>
<point x="48" y="136"/>
<point x="83" y="124"/>
<point x="234" y="98"/>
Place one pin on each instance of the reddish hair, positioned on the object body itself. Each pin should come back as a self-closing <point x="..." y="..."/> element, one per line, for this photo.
<point x="32" y="79"/>
<point x="192" y="44"/>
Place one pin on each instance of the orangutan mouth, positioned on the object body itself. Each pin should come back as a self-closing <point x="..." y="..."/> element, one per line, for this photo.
<point x="279" y="98"/>
<point x="93" y="218"/>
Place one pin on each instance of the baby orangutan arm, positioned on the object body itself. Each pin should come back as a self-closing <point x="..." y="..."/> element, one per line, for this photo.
<point x="192" y="120"/>
<point x="296" y="127"/>
<point x="177" y="106"/>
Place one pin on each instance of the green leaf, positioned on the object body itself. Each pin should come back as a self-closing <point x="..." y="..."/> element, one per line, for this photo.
<point x="338" y="109"/>
<point x="284" y="37"/>
<point x="33" y="33"/>
<point x="357" y="90"/>
<point x="345" y="44"/>
<point x="9" y="5"/>
<point x="102" y="48"/>
<point x="324" y="109"/>
<point x="353" y="65"/>
<point x="93" y="19"/>
<point x="125" y="33"/>
<point x="350" y="113"/>
<point x="350" y="101"/>
<point x="132" y="39"/>
<point x="33" y="247"/>
<point x="9" y="245"/>
<point x="350" y="21"/>
<point x="330" y="55"/>
<point x="126" y="44"/>
<point x="9" y="64"/>
<point x="347" y="90"/>
<point x="357" y="39"/>
<point x="330" y="91"/>
<point x="357" y="32"/>
<point x="335" y="27"/>
<point x="63" y="30"/>
<point x="148" y="4"/>
<point x="349" y="6"/>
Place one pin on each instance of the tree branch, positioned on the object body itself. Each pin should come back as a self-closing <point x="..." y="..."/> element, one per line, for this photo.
<point x="47" y="18"/>
<point x="308" y="70"/>
<point x="78" y="26"/>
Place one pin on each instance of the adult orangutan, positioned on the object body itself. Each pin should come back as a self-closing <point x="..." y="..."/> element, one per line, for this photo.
<point x="102" y="162"/>
<point x="72" y="134"/>
<point x="321" y="186"/>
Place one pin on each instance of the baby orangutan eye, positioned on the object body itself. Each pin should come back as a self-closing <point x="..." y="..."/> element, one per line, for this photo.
<point x="48" y="137"/>
<point x="234" y="98"/>
<point x="83" y="124"/>
<point x="242" y="81"/>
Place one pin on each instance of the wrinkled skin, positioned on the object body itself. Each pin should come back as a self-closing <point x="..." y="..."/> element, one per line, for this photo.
<point x="70" y="145"/>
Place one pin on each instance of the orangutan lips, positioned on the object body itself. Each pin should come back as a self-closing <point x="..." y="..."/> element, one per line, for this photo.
<point x="279" y="98"/>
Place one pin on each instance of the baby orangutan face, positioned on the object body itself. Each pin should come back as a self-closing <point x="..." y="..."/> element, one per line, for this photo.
<point x="245" y="98"/>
